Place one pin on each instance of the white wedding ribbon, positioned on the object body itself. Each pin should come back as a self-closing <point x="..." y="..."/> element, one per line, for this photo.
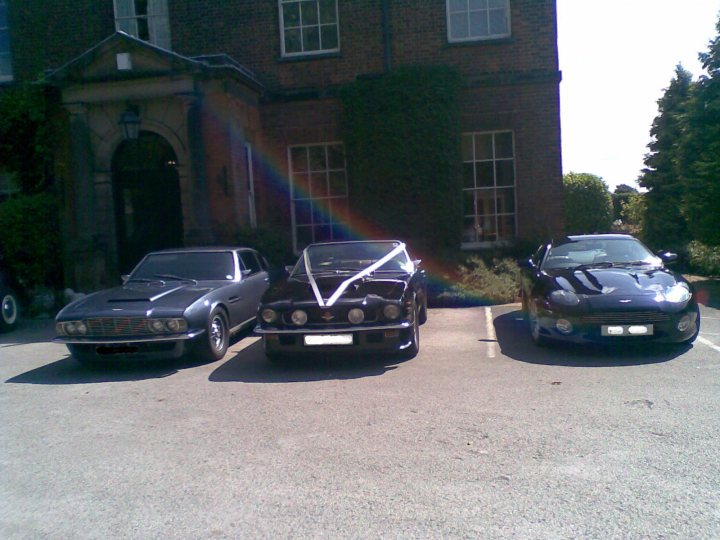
<point x="345" y="284"/>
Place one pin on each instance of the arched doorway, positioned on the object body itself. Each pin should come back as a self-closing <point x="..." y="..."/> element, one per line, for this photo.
<point x="146" y="190"/>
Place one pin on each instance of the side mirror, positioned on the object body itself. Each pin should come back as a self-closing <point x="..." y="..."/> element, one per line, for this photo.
<point x="667" y="257"/>
<point x="124" y="278"/>
<point x="417" y="262"/>
<point x="526" y="263"/>
<point x="245" y="272"/>
<point x="289" y="268"/>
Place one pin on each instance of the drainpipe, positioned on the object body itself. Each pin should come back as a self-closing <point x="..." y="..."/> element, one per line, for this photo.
<point x="386" y="34"/>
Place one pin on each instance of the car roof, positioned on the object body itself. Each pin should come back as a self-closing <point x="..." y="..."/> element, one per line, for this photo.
<point x="601" y="237"/>
<point x="202" y="249"/>
<point x="384" y="240"/>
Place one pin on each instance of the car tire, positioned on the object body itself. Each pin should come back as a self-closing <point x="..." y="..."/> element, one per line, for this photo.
<point x="414" y="348"/>
<point x="214" y="343"/>
<point x="9" y="309"/>
<point x="534" y="324"/>
<point x="423" y="311"/>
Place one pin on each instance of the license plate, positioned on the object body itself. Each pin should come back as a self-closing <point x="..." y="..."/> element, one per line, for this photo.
<point x="627" y="330"/>
<point x="330" y="339"/>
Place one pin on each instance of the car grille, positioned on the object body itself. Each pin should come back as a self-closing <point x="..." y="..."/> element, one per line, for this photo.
<point x="118" y="326"/>
<point x="626" y="317"/>
<point x="315" y="317"/>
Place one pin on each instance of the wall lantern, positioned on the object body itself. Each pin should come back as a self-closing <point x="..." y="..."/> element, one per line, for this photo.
<point x="130" y="122"/>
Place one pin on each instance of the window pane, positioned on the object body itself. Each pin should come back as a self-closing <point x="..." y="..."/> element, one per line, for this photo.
<point x="328" y="13"/>
<point x="497" y="4"/>
<point x="298" y="158"/>
<point x="485" y="201"/>
<point x="478" y="23"/>
<point x="503" y="145"/>
<point x="291" y="14"/>
<point x="458" y="25"/>
<point x="323" y="233"/>
<point x="309" y="12"/>
<point x="336" y="157"/>
<point x="505" y="173"/>
<point x="483" y="147"/>
<point x="458" y="5"/>
<point x="486" y="229"/>
<point x="469" y="234"/>
<point x="143" y="30"/>
<point x="318" y="185"/>
<point x="478" y="4"/>
<point x="484" y="172"/>
<point x="468" y="175"/>
<point x="293" y="41"/>
<point x="3" y="15"/>
<point x="320" y="213"/>
<point x="498" y="22"/>
<point x="311" y="38"/>
<point x="338" y="184"/>
<point x="317" y="158"/>
<point x="301" y="186"/>
<point x="469" y="203"/>
<point x="4" y="41"/>
<point x="506" y="201"/>
<point x="506" y="226"/>
<point x="467" y="150"/>
<point x="328" y="35"/>
<point x="304" y="237"/>
<point x="340" y="211"/>
<point x="302" y="212"/>
<point x="141" y="7"/>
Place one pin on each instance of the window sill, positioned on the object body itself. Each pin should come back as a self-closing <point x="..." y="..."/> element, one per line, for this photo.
<point x="307" y="57"/>
<point x="477" y="42"/>
<point x="470" y="246"/>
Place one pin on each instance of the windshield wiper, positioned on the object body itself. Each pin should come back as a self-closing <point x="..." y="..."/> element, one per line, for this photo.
<point x="604" y="264"/>
<point x="177" y="278"/>
<point x="141" y="280"/>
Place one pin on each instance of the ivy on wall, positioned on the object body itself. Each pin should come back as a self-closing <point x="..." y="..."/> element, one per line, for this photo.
<point x="402" y="138"/>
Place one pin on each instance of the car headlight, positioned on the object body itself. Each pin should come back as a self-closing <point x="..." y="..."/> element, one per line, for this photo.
<point x="268" y="315"/>
<point x="356" y="315"/>
<point x="678" y="293"/>
<point x="298" y="317"/>
<point x="157" y="326"/>
<point x="391" y="311"/>
<point x="168" y="326"/>
<point x="564" y="298"/>
<point x="71" y="328"/>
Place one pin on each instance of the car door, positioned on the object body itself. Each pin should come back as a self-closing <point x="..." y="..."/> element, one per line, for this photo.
<point x="255" y="280"/>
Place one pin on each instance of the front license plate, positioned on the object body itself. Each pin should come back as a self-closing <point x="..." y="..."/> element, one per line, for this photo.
<point x="329" y="339"/>
<point x="627" y="330"/>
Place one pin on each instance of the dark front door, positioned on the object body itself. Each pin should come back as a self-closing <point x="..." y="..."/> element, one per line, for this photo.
<point x="148" y="211"/>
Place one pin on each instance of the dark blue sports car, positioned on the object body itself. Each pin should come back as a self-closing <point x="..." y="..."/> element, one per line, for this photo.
<point x="175" y="302"/>
<point x="606" y="288"/>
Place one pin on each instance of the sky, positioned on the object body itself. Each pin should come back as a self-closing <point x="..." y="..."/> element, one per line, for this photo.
<point x="616" y="58"/>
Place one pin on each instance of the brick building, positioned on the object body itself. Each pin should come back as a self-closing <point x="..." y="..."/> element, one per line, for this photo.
<point x="191" y="119"/>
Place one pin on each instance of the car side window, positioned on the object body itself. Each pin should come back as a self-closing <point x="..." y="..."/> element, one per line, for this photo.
<point x="539" y="254"/>
<point x="250" y="262"/>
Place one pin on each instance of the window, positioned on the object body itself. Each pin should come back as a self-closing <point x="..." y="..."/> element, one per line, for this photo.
<point x="488" y="187"/>
<point x="145" y="19"/>
<point x="6" y="73"/>
<point x="318" y="193"/>
<point x="309" y="27"/>
<point x="470" y="20"/>
<point x="250" y="262"/>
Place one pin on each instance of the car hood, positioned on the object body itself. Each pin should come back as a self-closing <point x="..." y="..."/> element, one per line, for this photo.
<point x="616" y="281"/>
<point x="298" y="289"/>
<point x="136" y="299"/>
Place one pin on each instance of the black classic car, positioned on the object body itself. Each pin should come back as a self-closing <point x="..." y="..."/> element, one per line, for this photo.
<point x="175" y="302"/>
<point x="346" y="296"/>
<point x="606" y="288"/>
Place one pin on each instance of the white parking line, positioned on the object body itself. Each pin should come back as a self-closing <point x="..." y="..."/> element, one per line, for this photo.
<point x="490" y="329"/>
<point x="708" y="343"/>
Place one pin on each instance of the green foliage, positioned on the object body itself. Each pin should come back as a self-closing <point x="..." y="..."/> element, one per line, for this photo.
<point x="620" y="197"/>
<point x="632" y="211"/>
<point x="29" y="132"/>
<point x="704" y="260"/>
<point x="588" y="204"/>
<point x="271" y="243"/>
<point x="479" y="283"/>
<point x="30" y="239"/>
<point x="403" y="150"/>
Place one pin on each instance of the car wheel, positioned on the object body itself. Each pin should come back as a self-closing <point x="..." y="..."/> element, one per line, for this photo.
<point x="697" y="329"/>
<point x="414" y="346"/>
<point x="423" y="311"/>
<point x="214" y="344"/>
<point x="9" y="310"/>
<point x="534" y="322"/>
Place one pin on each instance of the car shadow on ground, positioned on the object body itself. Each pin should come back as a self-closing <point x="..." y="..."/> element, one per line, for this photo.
<point x="250" y="365"/>
<point x="29" y="331"/>
<point x="513" y="336"/>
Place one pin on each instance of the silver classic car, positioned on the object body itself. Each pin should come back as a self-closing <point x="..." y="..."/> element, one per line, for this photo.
<point x="174" y="303"/>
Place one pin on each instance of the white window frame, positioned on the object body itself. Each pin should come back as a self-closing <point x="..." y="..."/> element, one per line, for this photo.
<point x="295" y="195"/>
<point x="6" y="77"/>
<point x="496" y="215"/>
<point x="157" y="18"/>
<point x="319" y="51"/>
<point x="471" y="9"/>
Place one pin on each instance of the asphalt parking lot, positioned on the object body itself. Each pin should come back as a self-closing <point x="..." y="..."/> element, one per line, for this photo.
<point x="482" y="435"/>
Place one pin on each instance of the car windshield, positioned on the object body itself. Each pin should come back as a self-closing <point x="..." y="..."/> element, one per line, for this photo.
<point x="353" y="257"/>
<point x="193" y="265"/>
<point x="599" y="252"/>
